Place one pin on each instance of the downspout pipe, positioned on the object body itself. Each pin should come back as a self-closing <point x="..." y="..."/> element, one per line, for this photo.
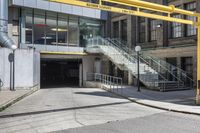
<point x="5" y="40"/>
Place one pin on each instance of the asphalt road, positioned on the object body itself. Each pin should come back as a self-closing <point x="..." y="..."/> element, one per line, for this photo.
<point x="157" y="123"/>
<point x="86" y="110"/>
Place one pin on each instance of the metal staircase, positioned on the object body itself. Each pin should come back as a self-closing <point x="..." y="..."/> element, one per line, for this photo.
<point x="154" y="73"/>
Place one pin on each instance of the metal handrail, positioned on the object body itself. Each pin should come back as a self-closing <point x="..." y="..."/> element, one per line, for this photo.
<point x="113" y="82"/>
<point x="153" y="66"/>
<point x="156" y="60"/>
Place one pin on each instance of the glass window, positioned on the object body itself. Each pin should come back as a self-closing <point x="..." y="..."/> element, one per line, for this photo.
<point x="153" y="24"/>
<point x="39" y="27"/>
<point x="176" y="28"/>
<point x="141" y="21"/>
<point x="187" y="65"/>
<point x="116" y="29"/>
<point x="124" y="30"/>
<point x="191" y="30"/>
<point x="89" y="28"/>
<point x="51" y="28"/>
<point x="29" y="26"/>
<point x="73" y="31"/>
<point x="62" y="29"/>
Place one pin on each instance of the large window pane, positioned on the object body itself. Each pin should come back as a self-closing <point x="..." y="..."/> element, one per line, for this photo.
<point x="73" y="31"/>
<point x="89" y="28"/>
<point x="51" y="28"/>
<point x="39" y="27"/>
<point x="62" y="29"/>
<point x="29" y="26"/>
<point x="142" y="29"/>
<point x="177" y="28"/>
<point x="116" y="29"/>
<point x="191" y="30"/>
<point x="124" y="30"/>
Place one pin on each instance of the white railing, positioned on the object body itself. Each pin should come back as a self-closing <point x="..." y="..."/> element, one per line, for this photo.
<point x="111" y="83"/>
<point x="153" y="72"/>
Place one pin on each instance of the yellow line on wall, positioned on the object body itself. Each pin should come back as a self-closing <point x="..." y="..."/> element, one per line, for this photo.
<point x="63" y="53"/>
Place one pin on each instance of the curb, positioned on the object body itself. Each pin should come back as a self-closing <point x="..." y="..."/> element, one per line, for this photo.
<point x="152" y="106"/>
<point x="13" y="101"/>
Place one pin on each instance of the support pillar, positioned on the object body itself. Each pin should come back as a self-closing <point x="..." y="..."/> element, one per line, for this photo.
<point x="198" y="64"/>
<point x="130" y="78"/>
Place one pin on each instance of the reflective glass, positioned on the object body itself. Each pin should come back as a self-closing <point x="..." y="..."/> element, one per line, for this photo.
<point x="39" y="27"/>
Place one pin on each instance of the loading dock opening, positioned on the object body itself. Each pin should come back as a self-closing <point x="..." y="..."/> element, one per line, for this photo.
<point x="60" y="73"/>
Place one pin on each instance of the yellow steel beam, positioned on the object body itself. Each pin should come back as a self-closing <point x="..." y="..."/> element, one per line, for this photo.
<point x="154" y="6"/>
<point x="64" y="53"/>
<point x="198" y="64"/>
<point x="124" y="11"/>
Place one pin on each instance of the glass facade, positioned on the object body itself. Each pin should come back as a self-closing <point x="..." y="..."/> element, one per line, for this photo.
<point x="50" y="28"/>
<point x="89" y="28"/>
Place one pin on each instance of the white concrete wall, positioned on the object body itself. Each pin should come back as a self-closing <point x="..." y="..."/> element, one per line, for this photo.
<point x="27" y="68"/>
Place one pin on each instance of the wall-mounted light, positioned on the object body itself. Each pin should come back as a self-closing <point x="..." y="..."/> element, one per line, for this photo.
<point x="159" y="25"/>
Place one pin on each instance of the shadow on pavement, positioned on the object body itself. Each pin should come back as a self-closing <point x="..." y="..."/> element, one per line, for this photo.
<point x="61" y="109"/>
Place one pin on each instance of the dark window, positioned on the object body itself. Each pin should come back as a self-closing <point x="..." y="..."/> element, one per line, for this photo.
<point x="176" y="28"/>
<point x="153" y="25"/>
<point x="124" y="30"/>
<point x="191" y="30"/>
<point x="141" y="23"/>
<point x="116" y="29"/>
<point x="187" y="65"/>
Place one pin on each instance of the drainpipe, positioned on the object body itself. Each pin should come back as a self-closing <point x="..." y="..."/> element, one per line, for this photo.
<point x="5" y="40"/>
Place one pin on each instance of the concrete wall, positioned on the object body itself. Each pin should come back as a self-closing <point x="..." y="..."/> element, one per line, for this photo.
<point x="27" y="68"/>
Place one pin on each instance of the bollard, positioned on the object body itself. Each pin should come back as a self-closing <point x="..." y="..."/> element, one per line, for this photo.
<point x="1" y="84"/>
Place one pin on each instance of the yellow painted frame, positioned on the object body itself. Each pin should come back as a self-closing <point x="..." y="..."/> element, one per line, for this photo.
<point x="165" y="13"/>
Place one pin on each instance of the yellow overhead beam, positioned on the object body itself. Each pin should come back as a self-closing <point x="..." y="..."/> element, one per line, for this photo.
<point x="154" y="6"/>
<point x="125" y="11"/>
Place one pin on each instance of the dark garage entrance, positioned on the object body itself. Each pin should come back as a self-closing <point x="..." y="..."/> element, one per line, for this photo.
<point x="59" y="73"/>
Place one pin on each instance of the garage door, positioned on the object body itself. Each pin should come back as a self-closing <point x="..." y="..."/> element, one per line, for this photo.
<point x="59" y="73"/>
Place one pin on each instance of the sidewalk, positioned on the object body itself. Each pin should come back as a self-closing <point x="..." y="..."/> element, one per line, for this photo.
<point x="7" y="97"/>
<point x="177" y="101"/>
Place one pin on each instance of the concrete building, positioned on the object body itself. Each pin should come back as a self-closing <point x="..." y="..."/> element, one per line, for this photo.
<point x="172" y="42"/>
<point x="51" y="39"/>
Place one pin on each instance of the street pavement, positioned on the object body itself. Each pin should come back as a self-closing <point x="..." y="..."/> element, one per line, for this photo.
<point x="178" y="101"/>
<point x="166" y="122"/>
<point x="64" y="108"/>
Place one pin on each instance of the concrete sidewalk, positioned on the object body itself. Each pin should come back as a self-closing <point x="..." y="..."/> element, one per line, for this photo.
<point x="7" y="97"/>
<point x="177" y="101"/>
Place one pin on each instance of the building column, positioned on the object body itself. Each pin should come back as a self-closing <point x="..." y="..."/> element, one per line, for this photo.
<point x="130" y="78"/>
<point x="131" y="31"/>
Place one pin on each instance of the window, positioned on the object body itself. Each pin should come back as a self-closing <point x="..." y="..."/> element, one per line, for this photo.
<point x="141" y="21"/>
<point x="39" y="27"/>
<point x="51" y="28"/>
<point x="153" y="24"/>
<point x="62" y="29"/>
<point x="73" y="31"/>
<point x="187" y="65"/>
<point x="124" y="30"/>
<point x="191" y="30"/>
<point x="176" y="28"/>
<point x="29" y="26"/>
<point x="116" y="29"/>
